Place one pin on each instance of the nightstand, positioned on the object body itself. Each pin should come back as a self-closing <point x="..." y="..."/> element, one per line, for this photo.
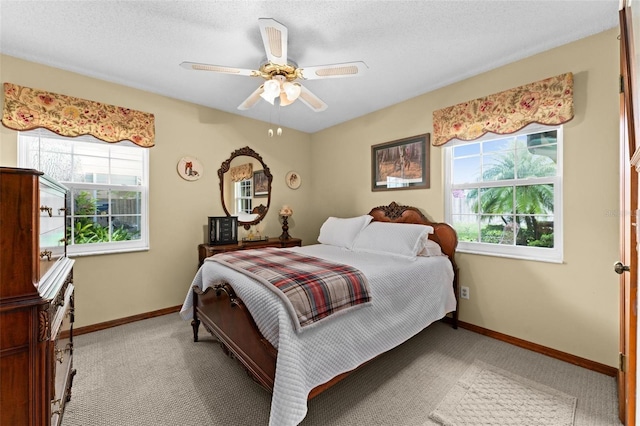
<point x="206" y="250"/>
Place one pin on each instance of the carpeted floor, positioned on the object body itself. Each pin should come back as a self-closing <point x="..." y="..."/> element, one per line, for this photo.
<point x="151" y="373"/>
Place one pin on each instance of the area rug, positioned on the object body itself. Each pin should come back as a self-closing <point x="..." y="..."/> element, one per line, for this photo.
<point x="487" y="395"/>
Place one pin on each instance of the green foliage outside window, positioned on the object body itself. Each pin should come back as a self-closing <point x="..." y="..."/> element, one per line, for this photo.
<point x="86" y="230"/>
<point x="520" y="210"/>
<point x="493" y="234"/>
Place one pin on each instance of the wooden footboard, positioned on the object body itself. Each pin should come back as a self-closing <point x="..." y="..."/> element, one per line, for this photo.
<point x="224" y="315"/>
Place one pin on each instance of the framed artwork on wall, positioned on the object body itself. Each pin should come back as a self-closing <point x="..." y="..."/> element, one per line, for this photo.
<point x="260" y="184"/>
<point x="189" y="168"/>
<point x="400" y="164"/>
<point x="293" y="180"/>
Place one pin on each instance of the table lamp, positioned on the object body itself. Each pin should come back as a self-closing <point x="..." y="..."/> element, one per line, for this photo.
<point x="285" y="212"/>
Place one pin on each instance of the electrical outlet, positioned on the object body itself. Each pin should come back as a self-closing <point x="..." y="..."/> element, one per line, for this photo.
<point x="464" y="292"/>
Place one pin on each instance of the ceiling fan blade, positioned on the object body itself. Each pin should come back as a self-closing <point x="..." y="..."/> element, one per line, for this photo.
<point x="348" y="69"/>
<point x="252" y="99"/>
<point x="217" y="68"/>
<point x="311" y="100"/>
<point x="274" y="37"/>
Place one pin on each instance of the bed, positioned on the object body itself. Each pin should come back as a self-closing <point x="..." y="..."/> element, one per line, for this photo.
<point x="252" y="324"/>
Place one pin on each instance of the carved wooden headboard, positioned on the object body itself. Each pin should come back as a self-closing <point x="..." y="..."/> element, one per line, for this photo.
<point x="443" y="233"/>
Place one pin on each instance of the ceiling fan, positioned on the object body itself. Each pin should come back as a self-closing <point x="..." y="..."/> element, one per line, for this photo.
<point x="281" y="73"/>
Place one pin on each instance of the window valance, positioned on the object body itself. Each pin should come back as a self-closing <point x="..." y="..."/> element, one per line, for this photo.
<point x="241" y="172"/>
<point x="26" y="109"/>
<point x="548" y="101"/>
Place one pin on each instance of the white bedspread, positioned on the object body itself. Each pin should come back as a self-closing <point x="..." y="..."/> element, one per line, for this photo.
<point x="406" y="296"/>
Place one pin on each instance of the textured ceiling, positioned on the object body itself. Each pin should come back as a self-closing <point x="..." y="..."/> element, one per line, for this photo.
<point x="410" y="47"/>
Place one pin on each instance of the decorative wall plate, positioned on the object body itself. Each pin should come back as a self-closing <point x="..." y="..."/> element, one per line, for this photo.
<point x="293" y="180"/>
<point x="189" y="168"/>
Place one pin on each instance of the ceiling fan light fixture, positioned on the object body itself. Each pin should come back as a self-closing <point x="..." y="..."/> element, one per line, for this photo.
<point x="292" y="90"/>
<point x="284" y="101"/>
<point x="271" y="91"/>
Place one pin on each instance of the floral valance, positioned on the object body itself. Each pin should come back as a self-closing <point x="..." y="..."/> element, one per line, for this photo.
<point x="27" y="109"/>
<point x="241" y="172"/>
<point x="548" y="101"/>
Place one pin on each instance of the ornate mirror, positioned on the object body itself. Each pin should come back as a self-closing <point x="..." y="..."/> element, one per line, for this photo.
<point x="245" y="186"/>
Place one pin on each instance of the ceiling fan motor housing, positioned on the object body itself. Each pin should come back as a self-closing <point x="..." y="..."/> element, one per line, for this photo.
<point x="288" y="71"/>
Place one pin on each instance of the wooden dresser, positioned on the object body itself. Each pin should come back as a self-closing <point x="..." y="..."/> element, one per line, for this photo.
<point x="206" y="250"/>
<point x="36" y="300"/>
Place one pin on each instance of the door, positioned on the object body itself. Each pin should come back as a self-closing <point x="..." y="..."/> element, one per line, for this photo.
<point x="627" y="267"/>
<point x="628" y="270"/>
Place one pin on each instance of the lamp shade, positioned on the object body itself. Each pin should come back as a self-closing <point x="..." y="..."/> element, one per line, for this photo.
<point x="292" y="90"/>
<point x="286" y="211"/>
<point x="271" y="91"/>
<point x="284" y="101"/>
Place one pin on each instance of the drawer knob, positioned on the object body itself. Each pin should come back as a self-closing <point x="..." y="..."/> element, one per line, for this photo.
<point x="60" y="355"/>
<point x="47" y="209"/>
<point x="57" y="402"/>
<point x="46" y="253"/>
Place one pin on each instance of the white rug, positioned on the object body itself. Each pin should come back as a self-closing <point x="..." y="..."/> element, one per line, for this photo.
<point x="487" y="395"/>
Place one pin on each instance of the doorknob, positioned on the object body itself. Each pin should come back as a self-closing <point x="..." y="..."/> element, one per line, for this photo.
<point x="620" y="268"/>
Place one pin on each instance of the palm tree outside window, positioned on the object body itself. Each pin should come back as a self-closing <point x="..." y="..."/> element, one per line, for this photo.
<point x="504" y="194"/>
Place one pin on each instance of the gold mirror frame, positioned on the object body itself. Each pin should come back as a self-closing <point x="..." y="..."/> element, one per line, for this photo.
<point x="261" y="210"/>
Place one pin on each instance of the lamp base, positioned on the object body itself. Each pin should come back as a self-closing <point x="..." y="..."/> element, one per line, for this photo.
<point x="285" y="229"/>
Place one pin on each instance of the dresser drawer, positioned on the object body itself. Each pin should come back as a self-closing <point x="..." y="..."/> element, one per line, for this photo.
<point x="207" y="250"/>
<point x="61" y="345"/>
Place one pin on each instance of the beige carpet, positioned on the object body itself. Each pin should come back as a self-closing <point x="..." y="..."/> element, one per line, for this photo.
<point x="489" y="396"/>
<point x="151" y="373"/>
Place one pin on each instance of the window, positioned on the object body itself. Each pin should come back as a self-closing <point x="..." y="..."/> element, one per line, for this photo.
<point x="503" y="194"/>
<point x="108" y="200"/>
<point x="243" y="197"/>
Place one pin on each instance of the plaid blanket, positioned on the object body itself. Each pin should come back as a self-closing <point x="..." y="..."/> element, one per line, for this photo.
<point x="312" y="288"/>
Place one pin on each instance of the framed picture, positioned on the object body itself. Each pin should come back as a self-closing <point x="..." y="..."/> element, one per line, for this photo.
<point x="293" y="180"/>
<point x="400" y="164"/>
<point x="260" y="184"/>
<point x="189" y="168"/>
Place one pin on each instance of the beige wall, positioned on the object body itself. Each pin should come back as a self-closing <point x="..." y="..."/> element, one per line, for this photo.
<point x="119" y="285"/>
<point x="571" y="307"/>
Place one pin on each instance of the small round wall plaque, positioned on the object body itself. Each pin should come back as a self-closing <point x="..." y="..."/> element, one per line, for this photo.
<point x="189" y="168"/>
<point x="293" y="180"/>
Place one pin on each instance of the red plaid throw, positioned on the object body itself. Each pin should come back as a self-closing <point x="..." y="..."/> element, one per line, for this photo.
<point x="312" y="288"/>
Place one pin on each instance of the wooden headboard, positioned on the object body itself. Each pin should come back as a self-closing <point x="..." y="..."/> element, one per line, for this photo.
<point x="443" y="233"/>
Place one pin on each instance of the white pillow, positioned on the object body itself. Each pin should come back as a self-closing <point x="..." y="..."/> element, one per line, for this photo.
<point x="431" y="248"/>
<point x="342" y="232"/>
<point x="403" y="239"/>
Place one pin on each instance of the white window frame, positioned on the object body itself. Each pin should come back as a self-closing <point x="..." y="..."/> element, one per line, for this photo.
<point x="239" y="188"/>
<point x="544" y="254"/>
<point x="141" y="244"/>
